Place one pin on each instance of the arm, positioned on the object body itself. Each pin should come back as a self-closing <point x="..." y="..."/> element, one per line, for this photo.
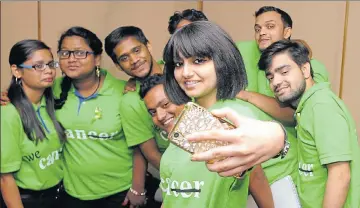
<point x="130" y="85"/>
<point x="151" y="152"/>
<point x="138" y="180"/>
<point x="260" y="188"/>
<point x="269" y="105"/>
<point x="337" y="185"/>
<point x="10" y="191"/>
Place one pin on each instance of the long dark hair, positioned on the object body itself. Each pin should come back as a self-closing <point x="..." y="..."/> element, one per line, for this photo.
<point x="94" y="43"/>
<point x="19" y="53"/>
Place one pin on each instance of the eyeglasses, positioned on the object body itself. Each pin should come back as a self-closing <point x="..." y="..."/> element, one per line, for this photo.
<point x="41" y="67"/>
<point x="78" y="54"/>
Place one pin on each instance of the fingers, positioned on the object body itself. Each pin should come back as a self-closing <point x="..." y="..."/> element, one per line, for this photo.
<point x="125" y="202"/>
<point x="218" y="134"/>
<point x="215" y="153"/>
<point x="231" y="166"/>
<point x="231" y="115"/>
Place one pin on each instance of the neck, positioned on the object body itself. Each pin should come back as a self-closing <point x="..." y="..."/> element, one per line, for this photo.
<point x="88" y="85"/>
<point x="34" y="95"/>
<point x="156" y="68"/>
<point x="208" y="100"/>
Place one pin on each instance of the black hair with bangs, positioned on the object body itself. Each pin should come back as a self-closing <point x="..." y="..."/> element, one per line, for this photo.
<point x="204" y="39"/>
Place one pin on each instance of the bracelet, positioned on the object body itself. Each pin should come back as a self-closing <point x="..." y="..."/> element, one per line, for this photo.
<point x="286" y="148"/>
<point x="137" y="193"/>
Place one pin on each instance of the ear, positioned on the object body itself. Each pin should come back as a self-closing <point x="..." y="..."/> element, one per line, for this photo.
<point x="306" y="70"/>
<point x="16" y="71"/>
<point x="97" y="60"/>
<point x="287" y="32"/>
<point x="149" y="47"/>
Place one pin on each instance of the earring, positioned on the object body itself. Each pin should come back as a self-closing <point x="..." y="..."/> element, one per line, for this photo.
<point x="97" y="71"/>
<point x="17" y="81"/>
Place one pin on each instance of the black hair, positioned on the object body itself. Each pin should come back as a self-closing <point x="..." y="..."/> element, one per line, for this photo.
<point x="19" y="53"/>
<point x="205" y="39"/>
<point x="191" y="15"/>
<point x="298" y="52"/>
<point x="149" y="82"/>
<point x="119" y="34"/>
<point x="285" y="17"/>
<point x="93" y="42"/>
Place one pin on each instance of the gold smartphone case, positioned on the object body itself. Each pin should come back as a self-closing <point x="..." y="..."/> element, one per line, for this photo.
<point x="194" y="118"/>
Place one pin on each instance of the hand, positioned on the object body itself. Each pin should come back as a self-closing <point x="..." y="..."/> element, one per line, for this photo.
<point x="130" y="86"/>
<point x="4" y="99"/>
<point x="135" y="201"/>
<point x="251" y="143"/>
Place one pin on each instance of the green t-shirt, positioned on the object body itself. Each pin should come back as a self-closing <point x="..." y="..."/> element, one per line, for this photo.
<point x="278" y="168"/>
<point x="97" y="159"/>
<point x="190" y="184"/>
<point x="36" y="166"/>
<point x="326" y="134"/>
<point x="137" y="122"/>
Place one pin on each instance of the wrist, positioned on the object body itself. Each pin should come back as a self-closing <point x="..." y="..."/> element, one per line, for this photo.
<point x="137" y="192"/>
<point x="284" y="143"/>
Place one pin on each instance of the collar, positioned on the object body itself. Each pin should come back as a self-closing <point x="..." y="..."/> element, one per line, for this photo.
<point x="307" y="95"/>
<point x="41" y="104"/>
<point x="107" y="87"/>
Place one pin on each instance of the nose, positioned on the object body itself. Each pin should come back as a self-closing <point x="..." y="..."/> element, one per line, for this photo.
<point x="134" y="58"/>
<point x="161" y="114"/>
<point x="72" y="58"/>
<point x="262" y="31"/>
<point x="187" y="71"/>
<point x="276" y="81"/>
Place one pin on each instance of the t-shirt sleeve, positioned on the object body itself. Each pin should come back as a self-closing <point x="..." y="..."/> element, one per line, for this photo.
<point x="320" y="72"/>
<point x="331" y="134"/>
<point x="135" y="119"/>
<point x="11" y="135"/>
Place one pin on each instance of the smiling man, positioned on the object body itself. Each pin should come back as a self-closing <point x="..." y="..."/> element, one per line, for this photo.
<point x="328" y="148"/>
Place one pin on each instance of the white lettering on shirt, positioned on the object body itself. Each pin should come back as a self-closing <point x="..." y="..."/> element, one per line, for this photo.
<point x="50" y="159"/>
<point x="306" y="169"/>
<point x="185" y="189"/>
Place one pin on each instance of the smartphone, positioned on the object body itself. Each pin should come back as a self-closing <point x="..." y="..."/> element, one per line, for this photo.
<point x="194" y="118"/>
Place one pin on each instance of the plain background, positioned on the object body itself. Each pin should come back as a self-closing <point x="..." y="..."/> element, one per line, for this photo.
<point x="320" y="23"/>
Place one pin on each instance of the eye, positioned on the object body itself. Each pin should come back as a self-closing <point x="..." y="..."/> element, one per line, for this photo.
<point x="284" y="72"/>
<point x="39" y="66"/>
<point x="80" y="53"/>
<point x="257" y="29"/>
<point x="63" y="53"/>
<point x="123" y="58"/>
<point x="166" y="104"/>
<point x="199" y="60"/>
<point x="152" y="112"/>
<point x="137" y="50"/>
<point x="270" y="26"/>
<point x="270" y="77"/>
<point x="178" y="64"/>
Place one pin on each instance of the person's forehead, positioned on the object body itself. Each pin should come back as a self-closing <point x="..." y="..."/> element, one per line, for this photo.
<point x="268" y="16"/>
<point x="127" y="44"/>
<point x="154" y="96"/>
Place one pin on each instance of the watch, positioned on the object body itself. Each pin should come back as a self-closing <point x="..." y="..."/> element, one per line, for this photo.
<point x="286" y="148"/>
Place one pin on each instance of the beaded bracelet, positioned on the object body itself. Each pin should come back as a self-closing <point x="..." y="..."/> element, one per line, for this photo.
<point x="137" y="193"/>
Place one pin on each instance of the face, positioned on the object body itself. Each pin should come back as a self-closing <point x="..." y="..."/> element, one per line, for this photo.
<point x="160" y="108"/>
<point x="269" y="28"/>
<point x="182" y="23"/>
<point x="78" y="68"/>
<point x="36" y="79"/>
<point x="197" y="77"/>
<point x="134" y="58"/>
<point x="286" y="78"/>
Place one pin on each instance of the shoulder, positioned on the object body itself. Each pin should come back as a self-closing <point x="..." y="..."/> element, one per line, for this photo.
<point x="115" y="83"/>
<point x="57" y="86"/>
<point x="240" y="106"/>
<point x="10" y="115"/>
<point x="320" y="72"/>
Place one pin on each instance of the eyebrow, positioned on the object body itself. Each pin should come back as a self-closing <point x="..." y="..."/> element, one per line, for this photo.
<point x="267" y="73"/>
<point x="269" y="21"/>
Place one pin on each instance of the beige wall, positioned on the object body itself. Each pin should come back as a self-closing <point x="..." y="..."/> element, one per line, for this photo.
<point x="320" y="23"/>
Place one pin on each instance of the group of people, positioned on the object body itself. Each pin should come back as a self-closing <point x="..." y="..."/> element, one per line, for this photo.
<point x="86" y="139"/>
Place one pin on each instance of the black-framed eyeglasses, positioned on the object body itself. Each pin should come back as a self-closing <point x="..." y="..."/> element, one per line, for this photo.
<point x="42" y="66"/>
<point x="78" y="54"/>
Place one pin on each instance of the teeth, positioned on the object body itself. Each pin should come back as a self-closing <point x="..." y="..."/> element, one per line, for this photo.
<point x="191" y="82"/>
<point x="168" y="121"/>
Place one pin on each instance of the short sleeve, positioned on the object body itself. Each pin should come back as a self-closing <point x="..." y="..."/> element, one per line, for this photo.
<point x="331" y="134"/>
<point x="11" y="136"/>
<point x="320" y="72"/>
<point x="135" y="119"/>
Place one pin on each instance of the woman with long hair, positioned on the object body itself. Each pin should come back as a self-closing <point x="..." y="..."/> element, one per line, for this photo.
<point x="31" y="137"/>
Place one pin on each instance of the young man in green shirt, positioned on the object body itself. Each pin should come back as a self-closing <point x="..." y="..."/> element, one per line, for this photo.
<point x="328" y="149"/>
<point x="272" y="24"/>
<point x="131" y="52"/>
